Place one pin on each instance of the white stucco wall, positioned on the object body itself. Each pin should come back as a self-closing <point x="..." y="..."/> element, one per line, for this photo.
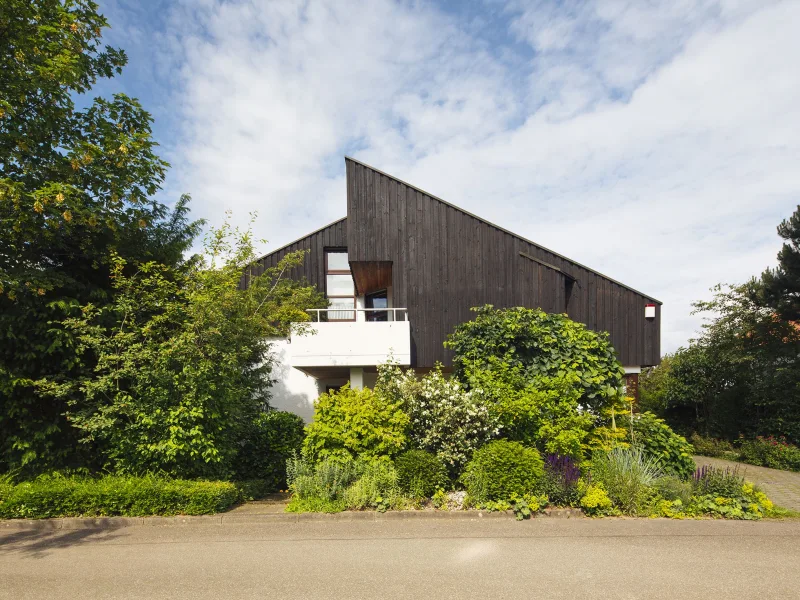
<point x="294" y="391"/>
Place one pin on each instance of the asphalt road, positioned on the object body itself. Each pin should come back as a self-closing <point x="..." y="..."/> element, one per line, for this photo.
<point x="542" y="558"/>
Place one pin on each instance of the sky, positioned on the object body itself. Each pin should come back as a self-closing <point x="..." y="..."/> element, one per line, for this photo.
<point x="654" y="141"/>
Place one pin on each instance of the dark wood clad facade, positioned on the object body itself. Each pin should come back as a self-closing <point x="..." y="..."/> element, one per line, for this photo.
<point x="313" y="268"/>
<point x="446" y="260"/>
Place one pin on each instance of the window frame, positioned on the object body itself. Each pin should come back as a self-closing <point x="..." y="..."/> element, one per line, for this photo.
<point x="339" y="272"/>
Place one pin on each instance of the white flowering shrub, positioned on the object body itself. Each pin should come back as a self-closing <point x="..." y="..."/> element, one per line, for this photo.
<point x="445" y="419"/>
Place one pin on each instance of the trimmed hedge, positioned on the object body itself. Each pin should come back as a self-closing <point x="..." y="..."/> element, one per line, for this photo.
<point x="113" y="495"/>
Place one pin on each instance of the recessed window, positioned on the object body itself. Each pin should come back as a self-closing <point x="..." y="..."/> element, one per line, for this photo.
<point x="339" y="286"/>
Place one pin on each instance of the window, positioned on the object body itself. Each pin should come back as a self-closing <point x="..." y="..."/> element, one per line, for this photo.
<point x="377" y="300"/>
<point x="339" y="286"/>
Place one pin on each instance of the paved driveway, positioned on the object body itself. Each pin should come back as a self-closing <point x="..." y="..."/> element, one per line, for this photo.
<point x="452" y="559"/>
<point x="782" y="487"/>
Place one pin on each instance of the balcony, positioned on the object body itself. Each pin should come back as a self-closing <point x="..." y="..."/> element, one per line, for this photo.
<point x="359" y="343"/>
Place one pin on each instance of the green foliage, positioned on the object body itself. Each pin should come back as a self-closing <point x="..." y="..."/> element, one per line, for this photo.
<point x="779" y="288"/>
<point x="502" y="470"/>
<point x="76" y="189"/>
<point x="377" y="487"/>
<point x="183" y="362"/>
<point x="741" y="376"/>
<point x="352" y="423"/>
<point x="706" y="446"/>
<point x="340" y="483"/>
<point x="672" y="452"/>
<point x="274" y="437"/>
<point x="595" y="501"/>
<point x="560" y="480"/>
<point x="328" y="479"/>
<point x="628" y="476"/>
<point x="444" y="418"/>
<point x="420" y="473"/>
<point x="538" y="344"/>
<point x="673" y="488"/>
<point x="542" y="412"/>
<point x="654" y="386"/>
<point x="748" y="503"/>
<point x="72" y="496"/>
<point x="775" y="453"/>
<point x="712" y="481"/>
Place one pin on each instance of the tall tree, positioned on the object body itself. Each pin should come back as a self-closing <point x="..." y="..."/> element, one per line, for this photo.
<point x="779" y="288"/>
<point x="76" y="188"/>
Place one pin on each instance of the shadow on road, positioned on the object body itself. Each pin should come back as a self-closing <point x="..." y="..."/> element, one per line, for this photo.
<point x="37" y="544"/>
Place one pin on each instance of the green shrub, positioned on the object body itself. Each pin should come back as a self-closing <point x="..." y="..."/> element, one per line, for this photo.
<point x="541" y="412"/>
<point x="673" y="488"/>
<point x="420" y="473"/>
<point x="595" y="501"/>
<point x="376" y="487"/>
<point x="335" y="484"/>
<point x="540" y="344"/>
<point x="745" y="502"/>
<point x="273" y="437"/>
<point x="327" y="479"/>
<point x="355" y="423"/>
<point x="772" y="452"/>
<point x="502" y="470"/>
<point x="672" y="452"/>
<point x="112" y="495"/>
<point x="628" y="476"/>
<point x="706" y="446"/>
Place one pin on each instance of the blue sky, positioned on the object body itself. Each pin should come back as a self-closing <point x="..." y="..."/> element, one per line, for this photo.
<point x="655" y="141"/>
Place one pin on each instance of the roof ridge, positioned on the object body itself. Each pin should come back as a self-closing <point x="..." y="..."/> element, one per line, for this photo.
<point x="503" y="229"/>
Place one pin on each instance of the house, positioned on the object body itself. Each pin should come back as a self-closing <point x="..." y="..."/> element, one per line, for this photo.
<point x="403" y="268"/>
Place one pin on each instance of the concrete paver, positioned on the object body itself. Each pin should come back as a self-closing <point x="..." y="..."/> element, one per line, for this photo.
<point x="497" y="558"/>
<point x="782" y="487"/>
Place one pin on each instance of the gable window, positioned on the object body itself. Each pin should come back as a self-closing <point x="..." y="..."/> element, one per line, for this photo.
<point x="339" y="286"/>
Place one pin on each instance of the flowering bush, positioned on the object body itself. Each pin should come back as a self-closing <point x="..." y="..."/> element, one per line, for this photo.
<point x="445" y="418"/>
<point x="773" y="452"/>
<point x="595" y="501"/>
<point x="560" y="480"/>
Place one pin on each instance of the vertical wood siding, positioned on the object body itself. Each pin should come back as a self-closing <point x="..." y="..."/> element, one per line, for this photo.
<point x="446" y="261"/>
<point x="313" y="267"/>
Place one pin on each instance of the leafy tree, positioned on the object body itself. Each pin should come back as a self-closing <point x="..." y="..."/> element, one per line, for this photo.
<point x="538" y="344"/>
<point x="76" y="188"/>
<point x="183" y="359"/>
<point x="779" y="288"/>
<point x="740" y="376"/>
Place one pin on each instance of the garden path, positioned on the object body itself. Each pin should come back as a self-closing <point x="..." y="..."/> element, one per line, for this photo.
<point x="782" y="487"/>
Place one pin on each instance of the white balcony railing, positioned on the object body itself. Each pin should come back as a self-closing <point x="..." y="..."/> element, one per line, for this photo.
<point x="358" y="343"/>
<point x="356" y="312"/>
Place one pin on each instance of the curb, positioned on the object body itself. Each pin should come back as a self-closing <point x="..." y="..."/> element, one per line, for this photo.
<point x="110" y="523"/>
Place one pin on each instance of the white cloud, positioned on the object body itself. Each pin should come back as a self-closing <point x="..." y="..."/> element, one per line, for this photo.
<point x="653" y="141"/>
